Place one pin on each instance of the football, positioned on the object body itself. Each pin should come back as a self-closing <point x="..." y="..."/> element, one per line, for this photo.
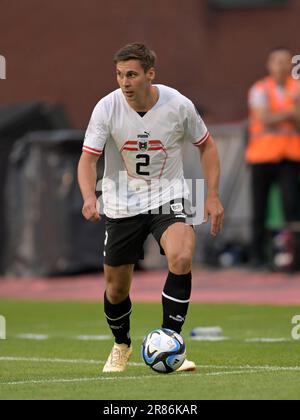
<point x="164" y="350"/>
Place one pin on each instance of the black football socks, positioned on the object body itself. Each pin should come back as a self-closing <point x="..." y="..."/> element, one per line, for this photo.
<point x="118" y="318"/>
<point x="175" y="299"/>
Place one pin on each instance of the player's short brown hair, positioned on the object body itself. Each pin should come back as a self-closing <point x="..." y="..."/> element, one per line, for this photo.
<point x="137" y="51"/>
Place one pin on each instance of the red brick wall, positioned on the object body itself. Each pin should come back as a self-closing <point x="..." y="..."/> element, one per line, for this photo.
<point x="61" y="50"/>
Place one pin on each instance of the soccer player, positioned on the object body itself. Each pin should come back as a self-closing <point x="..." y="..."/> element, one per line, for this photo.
<point x="142" y="127"/>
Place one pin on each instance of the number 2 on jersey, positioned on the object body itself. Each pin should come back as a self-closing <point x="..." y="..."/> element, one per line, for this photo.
<point x="142" y="165"/>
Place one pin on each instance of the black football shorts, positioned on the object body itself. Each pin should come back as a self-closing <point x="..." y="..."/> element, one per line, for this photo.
<point x="125" y="238"/>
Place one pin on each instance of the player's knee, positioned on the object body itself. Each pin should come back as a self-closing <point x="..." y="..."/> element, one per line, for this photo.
<point x="180" y="263"/>
<point x="116" y="294"/>
<point x="118" y="282"/>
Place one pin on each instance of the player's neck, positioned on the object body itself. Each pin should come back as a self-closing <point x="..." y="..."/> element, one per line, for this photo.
<point x="146" y="101"/>
<point x="281" y="81"/>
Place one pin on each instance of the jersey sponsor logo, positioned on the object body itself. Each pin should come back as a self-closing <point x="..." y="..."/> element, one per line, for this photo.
<point x="145" y="135"/>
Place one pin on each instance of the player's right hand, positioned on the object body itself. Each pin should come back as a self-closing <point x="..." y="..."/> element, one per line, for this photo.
<point x="89" y="210"/>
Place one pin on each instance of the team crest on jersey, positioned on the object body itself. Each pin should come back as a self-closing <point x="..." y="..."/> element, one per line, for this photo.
<point x="143" y="146"/>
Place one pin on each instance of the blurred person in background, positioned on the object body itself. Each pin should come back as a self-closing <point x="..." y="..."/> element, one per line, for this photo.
<point x="274" y="145"/>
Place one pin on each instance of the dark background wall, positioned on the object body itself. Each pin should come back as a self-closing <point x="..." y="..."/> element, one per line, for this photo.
<point x="61" y="51"/>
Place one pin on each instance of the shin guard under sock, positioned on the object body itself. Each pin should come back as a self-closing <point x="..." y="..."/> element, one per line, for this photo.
<point x="118" y="318"/>
<point x="175" y="299"/>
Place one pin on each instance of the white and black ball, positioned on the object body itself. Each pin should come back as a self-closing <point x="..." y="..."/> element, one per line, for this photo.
<point x="164" y="350"/>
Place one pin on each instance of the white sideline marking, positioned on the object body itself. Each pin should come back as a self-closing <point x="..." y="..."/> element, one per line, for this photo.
<point x="31" y="336"/>
<point x="93" y="337"/>
<point x="244" y="368"/>
<point x="126" y="378"/>
<point x="47" y="360"/>
<point x="101" y="362"/>
<point x="267" y="340"/>
<point x="37" y="337"/>
<point x="203" y="338"/>
<point x="209" y="338"/>
<point x="61" y="380"/>
<point x="237" y="372"/>
<point x="57" y="360"/>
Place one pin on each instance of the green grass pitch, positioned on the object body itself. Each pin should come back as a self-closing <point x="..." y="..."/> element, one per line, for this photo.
<point x="63" y="367"/>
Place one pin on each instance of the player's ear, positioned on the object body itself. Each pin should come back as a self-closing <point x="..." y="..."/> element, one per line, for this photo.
<point x="151" y="74"/>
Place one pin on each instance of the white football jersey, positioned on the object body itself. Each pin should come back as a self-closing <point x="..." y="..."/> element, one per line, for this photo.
<point x="143" y="155"/>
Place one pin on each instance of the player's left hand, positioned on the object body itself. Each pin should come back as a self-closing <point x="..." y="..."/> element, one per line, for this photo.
<point x="215" y="210"/>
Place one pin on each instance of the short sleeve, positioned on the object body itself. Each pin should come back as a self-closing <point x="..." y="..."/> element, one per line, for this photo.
<point x="97" y="132"/>
<point x="196" y="131"/>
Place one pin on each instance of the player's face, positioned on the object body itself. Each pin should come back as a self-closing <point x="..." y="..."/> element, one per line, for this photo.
<point x="280" y="65"/>
<point x="133" y="80"/>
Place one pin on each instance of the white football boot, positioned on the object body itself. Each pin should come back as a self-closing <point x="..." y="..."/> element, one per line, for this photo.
<point x="118" y="358"/>
<point x="187" y="366"/>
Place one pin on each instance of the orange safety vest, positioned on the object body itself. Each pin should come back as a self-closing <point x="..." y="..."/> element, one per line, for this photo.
<point x="281" y="142"/>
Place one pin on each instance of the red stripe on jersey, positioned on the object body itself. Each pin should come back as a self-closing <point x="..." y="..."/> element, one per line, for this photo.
<point x="91" y="148"/>
<point x="131" y="149"/>
<point x="198" y="143"/>
<point x="90" y="152"/>
<point x="155" y="145"/>
<point x="155" y="142"/>
<point x="128" y="143"/>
